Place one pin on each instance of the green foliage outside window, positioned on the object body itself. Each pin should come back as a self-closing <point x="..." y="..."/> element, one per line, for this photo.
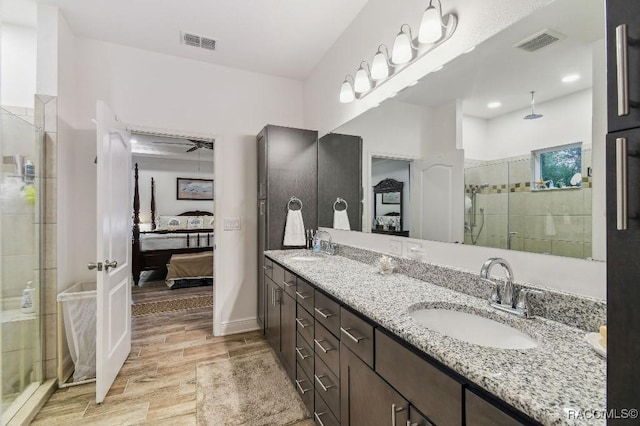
<point x="558" y="167"/>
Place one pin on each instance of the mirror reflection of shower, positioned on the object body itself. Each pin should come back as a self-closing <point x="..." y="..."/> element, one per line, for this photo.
<point x="473" y="219"/>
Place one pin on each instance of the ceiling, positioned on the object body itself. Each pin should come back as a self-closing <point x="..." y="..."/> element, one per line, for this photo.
<point x="284" y="38"/>
<point x="19" y="12"/>
<point x="167" y="148"/>
<point x="496" y="71"/>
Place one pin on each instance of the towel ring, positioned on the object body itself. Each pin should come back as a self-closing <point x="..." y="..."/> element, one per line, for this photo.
<point x="294" y="200"/>
<point x="340" y="201"/>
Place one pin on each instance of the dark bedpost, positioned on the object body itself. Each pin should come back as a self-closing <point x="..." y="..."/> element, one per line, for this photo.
<point x="153" y="204"/>
<point x="135" y="261"/>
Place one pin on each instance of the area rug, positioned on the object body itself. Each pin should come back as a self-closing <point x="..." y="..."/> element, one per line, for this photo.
<point x="250" y="389"/>
<point x="148" y="308"/>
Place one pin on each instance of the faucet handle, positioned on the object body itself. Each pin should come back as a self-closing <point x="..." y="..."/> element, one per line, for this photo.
<point x="495" y="292"/>
<point x="523" y="301"/>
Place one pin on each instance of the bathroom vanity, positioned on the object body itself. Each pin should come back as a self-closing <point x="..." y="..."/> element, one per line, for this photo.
<point x="345" y="335"/>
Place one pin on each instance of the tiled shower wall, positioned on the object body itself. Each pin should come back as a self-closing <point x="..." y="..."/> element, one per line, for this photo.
<point x="556" y="221"/>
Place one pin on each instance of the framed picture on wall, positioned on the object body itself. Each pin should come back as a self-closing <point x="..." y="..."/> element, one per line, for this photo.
<point x="194" y="189"/>
<point x="390" y="197"/>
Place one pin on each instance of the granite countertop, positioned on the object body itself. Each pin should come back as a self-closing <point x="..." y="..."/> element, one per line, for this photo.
<point x="555" y="383"/>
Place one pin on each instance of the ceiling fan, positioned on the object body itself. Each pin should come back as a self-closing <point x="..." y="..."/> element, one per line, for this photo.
<point x="192" y="143"/>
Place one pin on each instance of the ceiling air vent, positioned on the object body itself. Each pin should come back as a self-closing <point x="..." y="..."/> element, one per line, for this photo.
<point x="539" y="40"/>
<point x="191" y="39"/>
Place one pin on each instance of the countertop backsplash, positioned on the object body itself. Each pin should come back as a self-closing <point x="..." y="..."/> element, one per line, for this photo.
<point x="574" y="310"/>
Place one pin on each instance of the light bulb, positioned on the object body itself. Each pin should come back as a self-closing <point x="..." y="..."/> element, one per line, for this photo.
<point x="362" y="82"/>
<point x="430" y="26"/>
<point x="379" y="67"/>
<point x="346" y="92"/>
<point x="402" y="52"/>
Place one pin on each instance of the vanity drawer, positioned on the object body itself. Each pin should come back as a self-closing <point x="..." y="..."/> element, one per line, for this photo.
<point x="327" y="312"/>
<point x="278" y="275"/>
<point x="327" y="346"/>
<point x="357" y="335"/>
<point x="304" y="294"/>
<point x="430" y="390"/>
<point x="305" y="324"/>
<point x="327" y="386"/>
<point x="480" y="412"/>
<point x="289" y="283"/>
<point x="304" y="387"/>
<point x="323" y="415"/>
<point x="304" y="354"/>
<point x="268" y="267"/>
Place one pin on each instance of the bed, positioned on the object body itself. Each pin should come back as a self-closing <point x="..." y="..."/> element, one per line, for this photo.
<point x="153" y="249"/>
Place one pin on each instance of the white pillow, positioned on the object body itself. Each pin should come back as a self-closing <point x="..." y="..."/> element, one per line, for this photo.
<point x="211" y="220"/>
<point x="172" y="222"/>
<point x="195" y="222"/>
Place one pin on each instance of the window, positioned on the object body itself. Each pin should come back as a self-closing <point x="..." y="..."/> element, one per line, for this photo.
<point x="558" y="167"/>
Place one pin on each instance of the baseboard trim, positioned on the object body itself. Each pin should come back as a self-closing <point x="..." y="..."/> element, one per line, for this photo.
<point x="239" y="326"/>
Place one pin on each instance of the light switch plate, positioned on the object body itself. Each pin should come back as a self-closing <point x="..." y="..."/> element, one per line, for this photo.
<point x="395" y="247"/>
<point x="232" y="224"/>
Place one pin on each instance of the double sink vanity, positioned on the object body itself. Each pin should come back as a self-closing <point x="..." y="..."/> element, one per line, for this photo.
<point x="365" y="348"/>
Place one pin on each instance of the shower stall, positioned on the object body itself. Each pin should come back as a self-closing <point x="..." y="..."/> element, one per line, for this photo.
<point x="21" y="260"/>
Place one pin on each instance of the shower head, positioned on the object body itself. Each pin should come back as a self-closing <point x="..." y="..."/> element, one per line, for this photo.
<point x="533" y="115"/>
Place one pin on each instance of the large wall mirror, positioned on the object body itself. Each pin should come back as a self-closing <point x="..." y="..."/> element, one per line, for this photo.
<point x="504" y="145"/>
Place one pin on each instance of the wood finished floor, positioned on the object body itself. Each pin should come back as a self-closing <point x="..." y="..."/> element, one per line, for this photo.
<point x="157" y="384"/>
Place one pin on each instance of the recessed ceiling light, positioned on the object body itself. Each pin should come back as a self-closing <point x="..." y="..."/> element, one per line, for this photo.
<point x="469" y="49"/>
<point x="494" y="105"/>
<point x="438" y="69"/>
<point x="413" y="84"/>
<point x="571" y="78"/>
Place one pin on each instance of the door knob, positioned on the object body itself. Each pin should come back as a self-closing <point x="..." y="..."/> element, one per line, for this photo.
<point x="111" y="264"/>
<point x="94" y="265"/>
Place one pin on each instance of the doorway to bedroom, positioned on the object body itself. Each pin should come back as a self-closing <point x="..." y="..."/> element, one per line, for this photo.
<point x="173" y="223"/>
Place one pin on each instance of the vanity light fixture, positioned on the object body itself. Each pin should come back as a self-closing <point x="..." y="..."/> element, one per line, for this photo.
<point x="403" y="47"/>
<point x="346" y="91"/>
<point x="493" y="105"/>
<point x="433" y="26"/>
<point x="381" y="66"/>
<point x="571" y="78"/>
<point x="363" y="78"/>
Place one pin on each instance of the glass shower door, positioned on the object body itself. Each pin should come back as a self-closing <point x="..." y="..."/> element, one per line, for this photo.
<point x="20" y="262"/>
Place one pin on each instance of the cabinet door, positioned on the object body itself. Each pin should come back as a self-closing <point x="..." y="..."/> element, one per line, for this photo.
<point x="273" y="294"/>
<point x="623" y="100"/>
<point x="365" y="398"/>
<point x="288" y="333"/>
<point x="623" y="270"/>
<point x="261" y="300"/>
<point x="480" y="412"/>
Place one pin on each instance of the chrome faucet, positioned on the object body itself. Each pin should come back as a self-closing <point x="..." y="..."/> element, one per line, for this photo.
<point x="327" y="246"/>
<point x="505" y="300"/>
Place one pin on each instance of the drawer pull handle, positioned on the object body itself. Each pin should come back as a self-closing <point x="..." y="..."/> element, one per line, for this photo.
<point x="622" y="70"/>
<point x="300" y="386"/>
<point x="303" y="325"/>
<point x="288" y="284"/>
<point x="302" y="296"/>
<point x="351" y="336"/>
<point x="621" y="184"/>
<point x="412" y="424"/>
<point x="325" y="350"/>
<point x="299" y="351"/>
<point x="317" y="416"/>
<point x="325" y="316"/>
<point x="395" y="409"/>
<point x="267" y="268"/>
<point x="322" y="385"/>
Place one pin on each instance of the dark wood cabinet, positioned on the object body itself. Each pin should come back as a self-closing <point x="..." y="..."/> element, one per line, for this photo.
<point x="623" y="271"/>
<point x="623" y="95"/>
<point x="480" y="412"/>
<point x="365" y="398"/>
<point x="288" y="333"/>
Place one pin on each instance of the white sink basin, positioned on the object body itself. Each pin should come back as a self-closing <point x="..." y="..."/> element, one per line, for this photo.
<point x="305" y="258"/>
<point x="473" y="329"/>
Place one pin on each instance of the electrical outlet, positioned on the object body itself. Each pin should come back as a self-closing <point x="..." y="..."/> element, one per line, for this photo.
<point x="232" y="224"/>
<point x="395" y="247"/>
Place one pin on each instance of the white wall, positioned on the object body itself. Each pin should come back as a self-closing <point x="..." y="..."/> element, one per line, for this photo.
<point x="474" y="137"/>
<point x="48" y="45"/>
<point x="165" y="171"/>
<point x="151" y="90"/>
<point x="18" y="65"/>
<point x="379" y="22"/>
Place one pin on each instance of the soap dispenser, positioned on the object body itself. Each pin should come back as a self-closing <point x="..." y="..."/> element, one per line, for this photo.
<point x="27" y="299"/>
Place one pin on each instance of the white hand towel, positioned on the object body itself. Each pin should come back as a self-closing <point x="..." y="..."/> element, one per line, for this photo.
<point x="550" y="226"/>
<point x="294" y="229"/>
<point x="341" y="220"/>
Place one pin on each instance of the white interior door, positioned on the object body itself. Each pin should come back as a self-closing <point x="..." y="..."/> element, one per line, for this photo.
<point x="438" y="191"/>
<point x="113" y="336"/>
